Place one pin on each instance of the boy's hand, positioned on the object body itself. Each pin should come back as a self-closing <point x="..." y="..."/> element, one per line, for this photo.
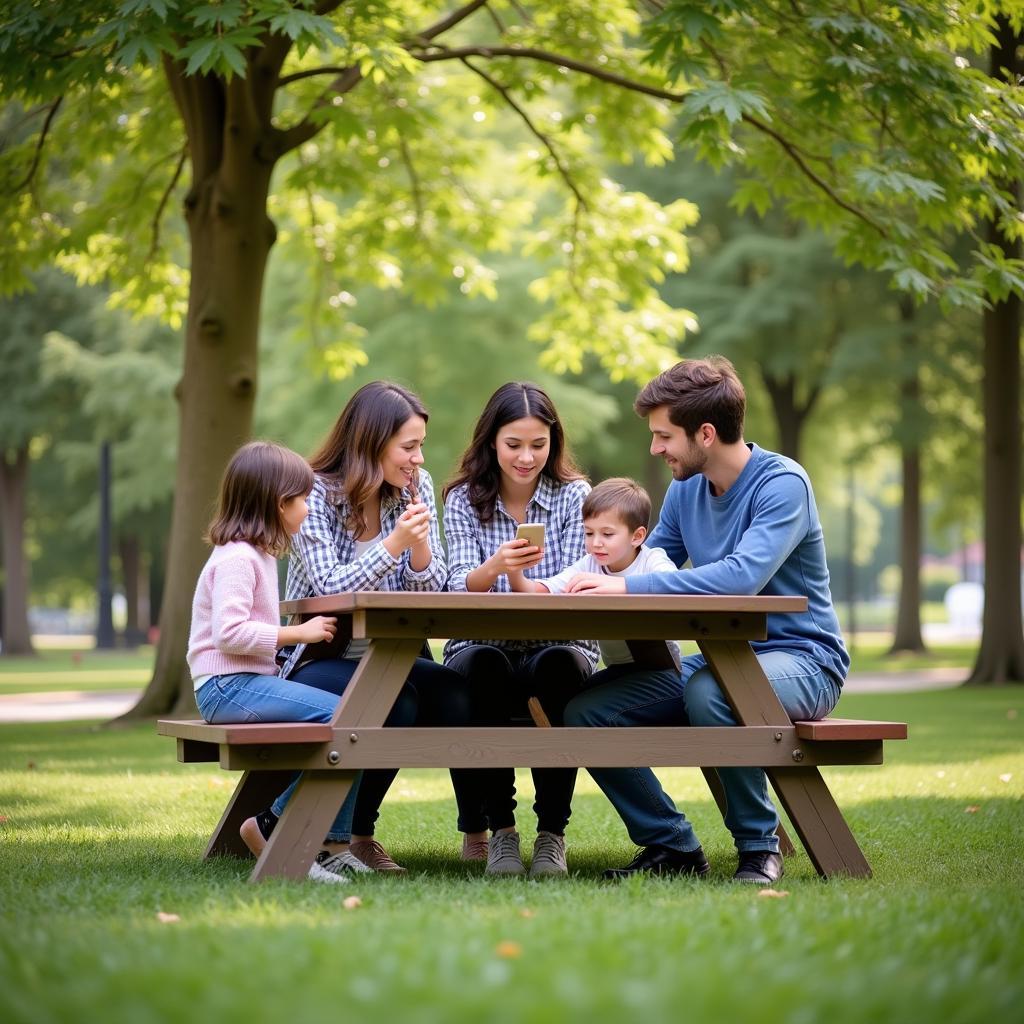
<point x="596" y="583"/>
<point x="320" y="628"/>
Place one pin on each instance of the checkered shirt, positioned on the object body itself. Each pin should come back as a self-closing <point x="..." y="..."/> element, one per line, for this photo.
<point x="323" y="554"/>
<point x="471" y="542"/>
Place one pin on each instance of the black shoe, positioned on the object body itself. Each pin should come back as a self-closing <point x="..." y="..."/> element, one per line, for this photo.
<point x="663" y="860"/>
<point x="761" y="867"/>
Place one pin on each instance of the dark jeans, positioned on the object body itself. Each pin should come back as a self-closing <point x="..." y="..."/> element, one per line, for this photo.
<point x="431" y="695"/>
<point x="501" y="681"/>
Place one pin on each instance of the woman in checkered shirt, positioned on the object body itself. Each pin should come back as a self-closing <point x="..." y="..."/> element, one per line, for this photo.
<point x="372" y="525"/>
<point x="515" y="470"/>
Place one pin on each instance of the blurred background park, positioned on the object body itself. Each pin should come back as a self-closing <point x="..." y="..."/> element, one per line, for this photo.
<point x="217" y="220"/>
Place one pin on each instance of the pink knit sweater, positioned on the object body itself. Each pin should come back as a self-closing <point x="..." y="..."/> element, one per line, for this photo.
<point x="235" y="614"/>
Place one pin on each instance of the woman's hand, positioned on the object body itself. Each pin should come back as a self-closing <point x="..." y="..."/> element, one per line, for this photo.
<point x="515" y="556"/>
<point x="412" y="528"/>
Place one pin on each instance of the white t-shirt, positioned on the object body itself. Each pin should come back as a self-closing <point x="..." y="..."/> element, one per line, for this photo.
<point x="615" y="652"/>
<point x="357" y="648"/>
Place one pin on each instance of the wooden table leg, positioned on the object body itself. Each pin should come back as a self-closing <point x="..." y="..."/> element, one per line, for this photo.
<point x="300" y="832"/>
<point x="367" y="701"/>
<point x="254" y="792"/>
<point x="808" y="802"/>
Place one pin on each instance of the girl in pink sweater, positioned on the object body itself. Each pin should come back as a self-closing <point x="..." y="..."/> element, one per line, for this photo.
<point x="236" y="626"/>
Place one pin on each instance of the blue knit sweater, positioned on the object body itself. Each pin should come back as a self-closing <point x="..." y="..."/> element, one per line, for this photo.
<point x="762" y="536"/>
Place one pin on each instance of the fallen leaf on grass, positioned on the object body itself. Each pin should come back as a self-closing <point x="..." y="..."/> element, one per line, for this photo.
<point x="3" y="819"/>
<point x="526" y="912"/>
<point x="30" y="765"/>
<point x="351" y="902"/>
<point x="1011" y="714"/>
<point x="167" y="918"/>
<point x="508" y="950"/>
<point x="972" y="809"/>
<point x="773" y="894"/>
<point x="1006" y="777"/>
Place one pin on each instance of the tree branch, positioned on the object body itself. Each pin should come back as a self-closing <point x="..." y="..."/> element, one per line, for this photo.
<point x="547" y="57"/>
<point x="414" y="179"/>
<point x="40" y="142"/>
<point x="158" y="216"/>
<point x="793" y="153"/>
<point x="544" y="139"/>
<point x="449" y="21"/>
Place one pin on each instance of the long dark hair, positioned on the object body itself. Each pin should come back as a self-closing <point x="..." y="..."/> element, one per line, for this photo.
<point x="258" y="478"/>
<point x="349" y="457"/>
<point x="479" y="468"/>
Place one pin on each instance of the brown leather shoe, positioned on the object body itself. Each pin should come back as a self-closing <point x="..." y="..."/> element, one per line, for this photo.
<point x="474" y="849"/>
<point x="374" y="856"/>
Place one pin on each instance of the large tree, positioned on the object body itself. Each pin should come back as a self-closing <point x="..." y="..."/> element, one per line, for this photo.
<point x="860" y="119"/>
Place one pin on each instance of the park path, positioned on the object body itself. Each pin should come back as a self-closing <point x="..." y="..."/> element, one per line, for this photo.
<point x="76" y="705"/>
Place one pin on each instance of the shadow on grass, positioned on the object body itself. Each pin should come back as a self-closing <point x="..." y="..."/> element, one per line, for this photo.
<point x="910" y="839"/>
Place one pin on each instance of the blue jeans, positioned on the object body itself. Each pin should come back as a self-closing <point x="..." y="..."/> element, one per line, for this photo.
<point x="640" y="697"/>
<point x="246" y="697"/>
<point x="432" y="695"/>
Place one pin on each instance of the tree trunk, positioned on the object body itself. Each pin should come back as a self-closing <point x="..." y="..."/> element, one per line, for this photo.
<point x="17" y="637"/>
<point x="231" y="236"/>
<point x="790" y="415"/>
<point x="908" y="611"/>
<point x="1001" y="655"/>
<point x="130" y="553"/>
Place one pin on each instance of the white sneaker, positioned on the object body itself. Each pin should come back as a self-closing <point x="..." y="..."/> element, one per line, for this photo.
<point x="318" y="874"/>
<point x="343" y="863"/>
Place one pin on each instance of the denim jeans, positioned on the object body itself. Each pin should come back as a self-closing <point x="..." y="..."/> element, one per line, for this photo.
<point x="640" y="697"/>
<point x="501" y="681"/>
<point x="432" y="695"/>
<point x="245" y="697"/>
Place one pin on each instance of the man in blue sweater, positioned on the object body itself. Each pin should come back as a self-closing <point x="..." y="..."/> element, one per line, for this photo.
<point x="746" y="521"/>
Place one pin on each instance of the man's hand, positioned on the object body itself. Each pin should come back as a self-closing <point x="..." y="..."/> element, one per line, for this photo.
<point x="596" y="583"/>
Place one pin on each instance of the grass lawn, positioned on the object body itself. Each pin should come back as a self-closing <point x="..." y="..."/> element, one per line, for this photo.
<point x="102" y="831"/>
<point x="76" y="669"/>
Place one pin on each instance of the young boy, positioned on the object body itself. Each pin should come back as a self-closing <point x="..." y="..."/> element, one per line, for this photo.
<point x="616" y="514"/>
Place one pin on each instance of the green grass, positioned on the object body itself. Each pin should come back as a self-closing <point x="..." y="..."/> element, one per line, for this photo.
<point x="76" y="669"/>
<point x="103" y="831"/>
<point x="873" y="656"/>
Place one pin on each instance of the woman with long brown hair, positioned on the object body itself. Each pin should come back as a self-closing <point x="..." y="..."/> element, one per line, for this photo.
<point x="372" y="525"/>
<point x="516" y="470"/>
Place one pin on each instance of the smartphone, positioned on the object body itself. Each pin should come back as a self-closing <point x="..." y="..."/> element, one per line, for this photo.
<point x="532" y="532"/>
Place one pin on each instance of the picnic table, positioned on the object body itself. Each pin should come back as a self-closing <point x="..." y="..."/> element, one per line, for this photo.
<point x="398" y="624"/>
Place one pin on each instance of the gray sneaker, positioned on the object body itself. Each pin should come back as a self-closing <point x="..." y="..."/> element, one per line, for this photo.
<point x="548" y="856"/>
<point x="503" y="856"/>
<point x="343" y="863"/>
<point x="319" y="874"/>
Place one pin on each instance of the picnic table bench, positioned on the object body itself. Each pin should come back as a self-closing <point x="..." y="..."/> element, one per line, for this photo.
<point x="398" y="623"/>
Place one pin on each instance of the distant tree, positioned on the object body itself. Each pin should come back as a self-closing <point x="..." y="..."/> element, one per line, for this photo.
<point x="30" y="412"/>
<point x="861" y="119"/>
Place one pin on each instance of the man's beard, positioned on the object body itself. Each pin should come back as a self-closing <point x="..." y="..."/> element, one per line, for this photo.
<point x="691" y="468"/>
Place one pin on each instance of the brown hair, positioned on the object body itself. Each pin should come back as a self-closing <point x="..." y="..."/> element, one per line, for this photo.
<point x="350" y="456"/>
<point x="479" y="468"/>
<point x="698" y="391"/>
<point x="623" y="497"/>
<point x="258" y="478"/>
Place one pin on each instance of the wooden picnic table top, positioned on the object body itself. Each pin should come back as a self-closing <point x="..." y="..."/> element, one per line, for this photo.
<point x="634" y="604"/>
